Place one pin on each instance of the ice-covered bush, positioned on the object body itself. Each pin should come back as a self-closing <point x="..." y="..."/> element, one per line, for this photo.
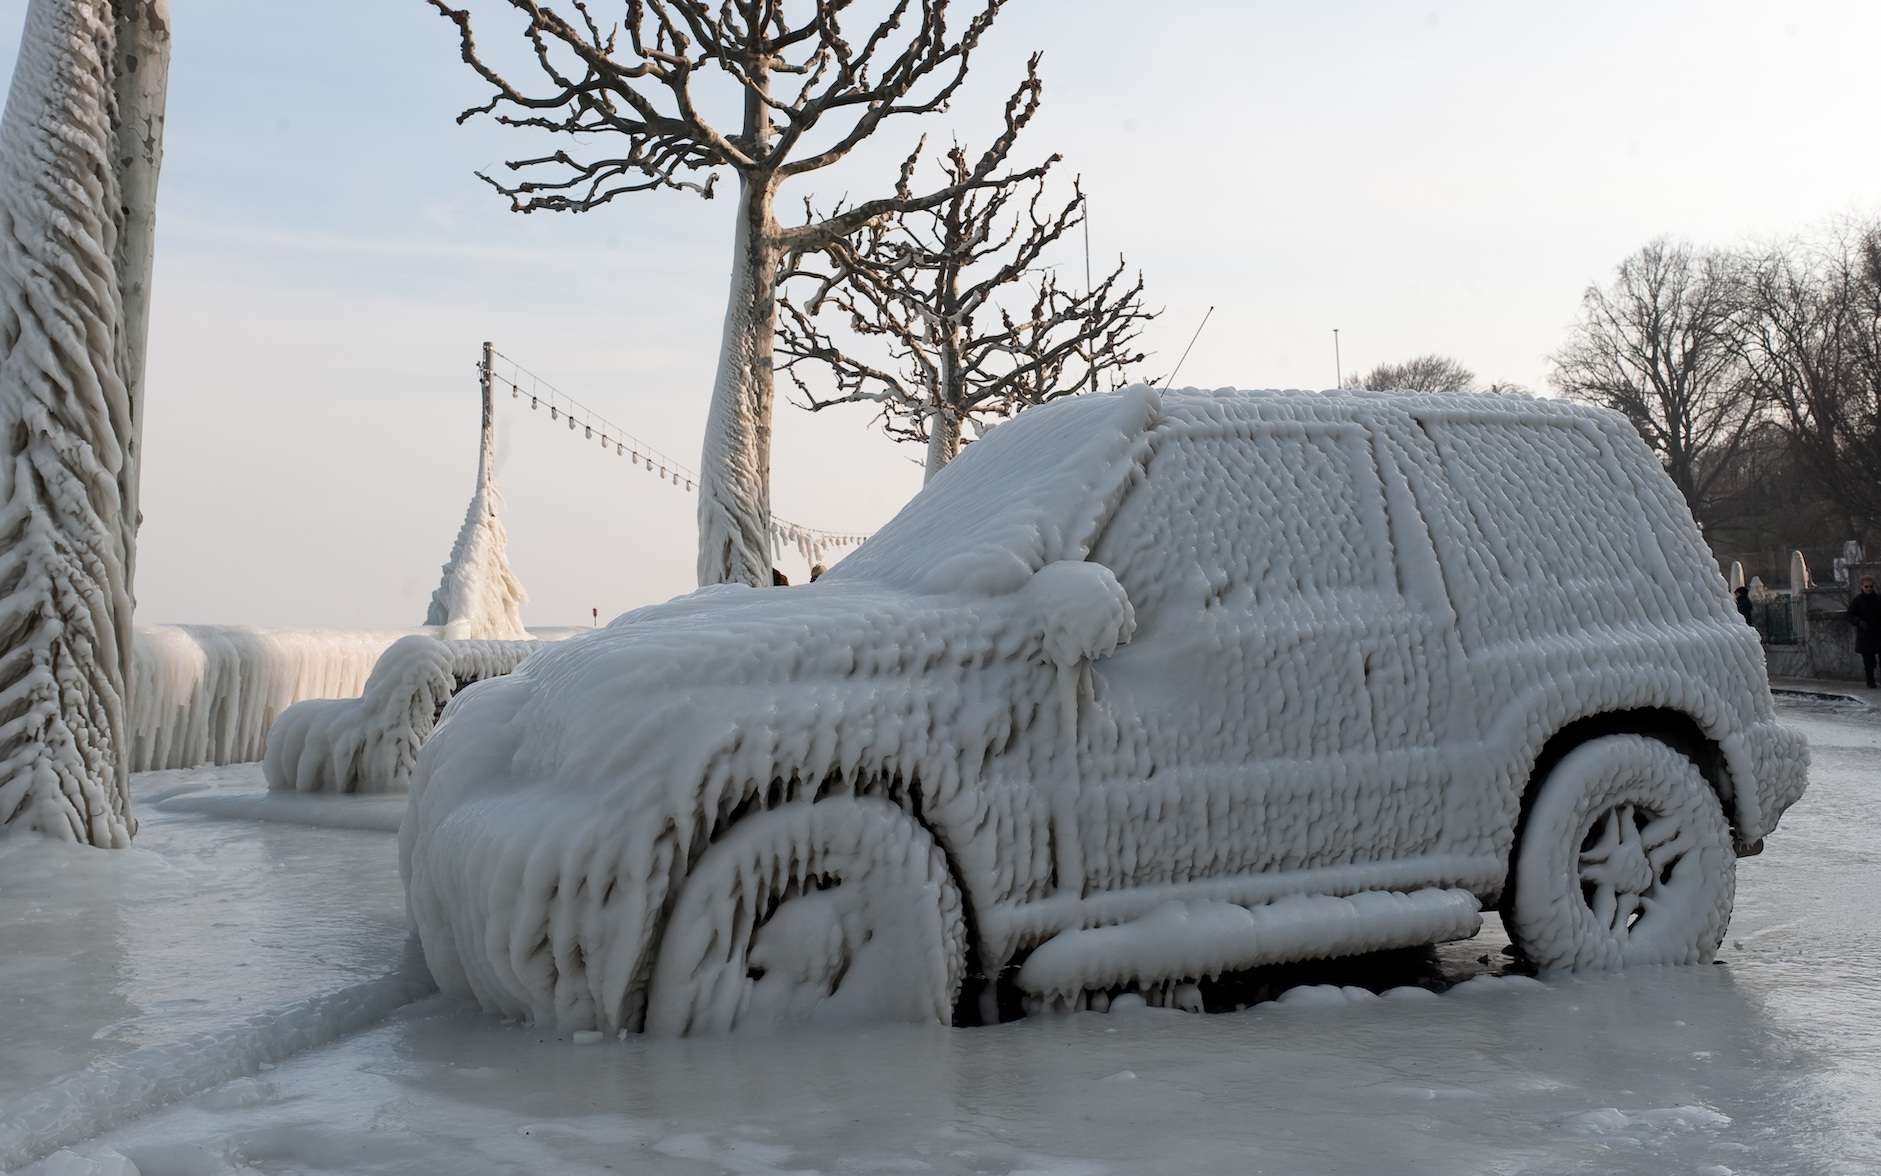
<point x="369" y="743"/>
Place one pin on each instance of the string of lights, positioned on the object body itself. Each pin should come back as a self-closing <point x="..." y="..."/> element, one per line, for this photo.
<point x="523" y="384"/>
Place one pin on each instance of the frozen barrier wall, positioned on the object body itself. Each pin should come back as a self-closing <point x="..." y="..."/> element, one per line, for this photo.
<point x="369" y="743"/>
<point x="207" y="694"/>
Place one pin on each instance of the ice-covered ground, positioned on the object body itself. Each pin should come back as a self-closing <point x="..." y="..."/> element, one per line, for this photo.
<point x="1767" y="1063"/>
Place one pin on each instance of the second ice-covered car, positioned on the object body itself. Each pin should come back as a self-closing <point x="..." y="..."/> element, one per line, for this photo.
<point x="1141" y="689"/>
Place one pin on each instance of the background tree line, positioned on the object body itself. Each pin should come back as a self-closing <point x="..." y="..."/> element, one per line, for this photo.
<point x="1755" y="375"/>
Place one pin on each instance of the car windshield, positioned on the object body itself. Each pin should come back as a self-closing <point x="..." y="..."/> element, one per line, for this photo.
<point x="1032" y="492"/>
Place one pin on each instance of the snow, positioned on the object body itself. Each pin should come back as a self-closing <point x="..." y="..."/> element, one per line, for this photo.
<point x="369" y="743"/>
<point x="479" y="597"/>
<point x="1127" y="650"/>
<point x="67" y="417"/>
<point x="1757" y="1065"/>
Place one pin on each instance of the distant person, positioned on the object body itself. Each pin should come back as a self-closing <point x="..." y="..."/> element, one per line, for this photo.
<point x="1743" y="604"/>
<point x="816" y="571"/>
<point x="779" y="579"/>
<point x="1864" y="612"/>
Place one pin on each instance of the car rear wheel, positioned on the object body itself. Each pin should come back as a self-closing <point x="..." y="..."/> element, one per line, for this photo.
<point x="838" y="910"/>
<point x="1625" y="860"/>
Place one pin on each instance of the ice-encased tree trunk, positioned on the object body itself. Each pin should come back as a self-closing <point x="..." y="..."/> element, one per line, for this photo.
<point x="80" y="150"/>
<point x="943" y="439"/>
<point x="735" y="469"/>
<point x="479" y="596"/>
<point x="620" y="80"/>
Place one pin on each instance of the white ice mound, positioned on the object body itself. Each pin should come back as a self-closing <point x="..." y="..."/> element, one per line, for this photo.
<point x="370" y="743"/>
<point x="479" y="597"/>
<point x="1293" y="661"/>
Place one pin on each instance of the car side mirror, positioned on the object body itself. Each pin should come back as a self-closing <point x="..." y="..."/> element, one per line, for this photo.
<point x="1082" y="611"/>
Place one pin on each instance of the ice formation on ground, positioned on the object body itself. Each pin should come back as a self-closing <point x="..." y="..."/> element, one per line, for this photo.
<point x="1127" y="650"/>
<point x="370" y="743"/>
<point x="74" y="270"/>
<point x="479" y="596"/>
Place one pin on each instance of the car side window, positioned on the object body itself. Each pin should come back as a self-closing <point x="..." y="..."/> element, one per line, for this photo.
<point x="1251" y="518"/>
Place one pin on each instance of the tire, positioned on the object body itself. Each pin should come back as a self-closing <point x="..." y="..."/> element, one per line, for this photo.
<point x="1625" y="860"/>
<point x="842" y="910"/>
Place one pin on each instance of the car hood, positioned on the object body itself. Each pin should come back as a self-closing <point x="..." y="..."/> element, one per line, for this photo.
<point x="598" y="770"/>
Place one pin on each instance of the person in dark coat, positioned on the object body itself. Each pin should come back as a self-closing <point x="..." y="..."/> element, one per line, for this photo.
<point x="1743" y="604"/>
<point x="1864" y="612"/>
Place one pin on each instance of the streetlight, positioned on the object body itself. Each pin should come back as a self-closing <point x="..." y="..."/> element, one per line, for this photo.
<point x="1338" y="368"/>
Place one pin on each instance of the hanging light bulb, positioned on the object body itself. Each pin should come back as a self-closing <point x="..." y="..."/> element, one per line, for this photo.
<point x="587" y="432"/>
<point x="636" y="457"/>
<point x="688" y="484"/>
<point x="619" y="449"/>
<point x="532" y="404"/>
<point x="554" y="415"/>
<point x="571" y="424"/>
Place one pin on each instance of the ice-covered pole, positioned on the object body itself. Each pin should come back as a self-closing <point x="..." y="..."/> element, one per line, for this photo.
<point x="80" y="149"/>
<point x="478" y="596"/>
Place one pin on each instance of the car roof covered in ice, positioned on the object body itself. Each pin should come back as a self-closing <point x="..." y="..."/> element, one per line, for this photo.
<point x="1037" y="488"/>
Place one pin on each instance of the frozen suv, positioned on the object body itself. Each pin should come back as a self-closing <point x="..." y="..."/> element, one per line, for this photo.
<point x="1142" y="689"/>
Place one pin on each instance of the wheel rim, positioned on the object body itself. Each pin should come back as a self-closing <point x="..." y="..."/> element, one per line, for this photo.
<point x="1629" y="857"/>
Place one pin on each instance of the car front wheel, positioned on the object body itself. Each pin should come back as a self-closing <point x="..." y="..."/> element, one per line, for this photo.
<point x="837" y="910"/>
<point x="1625" y="860"/>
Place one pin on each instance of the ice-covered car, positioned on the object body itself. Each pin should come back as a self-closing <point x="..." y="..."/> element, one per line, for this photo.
<point x="1141" y="689"/>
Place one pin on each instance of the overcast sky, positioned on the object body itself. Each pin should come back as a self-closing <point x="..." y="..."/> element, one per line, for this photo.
<point x="1439" y="177"/>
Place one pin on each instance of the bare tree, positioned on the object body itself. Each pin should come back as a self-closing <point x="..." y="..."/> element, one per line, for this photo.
<point x="933" y="291"/>
<point x="81" y="144"/>
<point x="810" y="92"/>
<point x="1812" y="343"/>
<point x="1423" y="373"/>
<point x="1659" y="345"/>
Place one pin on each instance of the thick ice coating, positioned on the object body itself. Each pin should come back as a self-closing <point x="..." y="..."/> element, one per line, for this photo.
<point x="370" y="743"/>
<point x="478" y="596"/>
<point x="1126" y="651"/>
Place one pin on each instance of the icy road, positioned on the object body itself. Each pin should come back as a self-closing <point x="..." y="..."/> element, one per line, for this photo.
<point x="1768" y="1062"/>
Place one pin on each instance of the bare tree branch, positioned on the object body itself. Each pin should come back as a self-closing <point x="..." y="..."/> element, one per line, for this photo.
<point x="933" y="288"/>
<point x="1661" y="346"/>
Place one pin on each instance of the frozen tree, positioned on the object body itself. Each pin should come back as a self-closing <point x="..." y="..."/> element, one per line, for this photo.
<point x="1424" y="373"/>
<point x="1812" y="342"/>
<point x="640" y="90"/>
<point x="1659" y="345"/>
<point x="479" y="596"/>
<point x="953" y="317"/>
<point x="80" y="148"/>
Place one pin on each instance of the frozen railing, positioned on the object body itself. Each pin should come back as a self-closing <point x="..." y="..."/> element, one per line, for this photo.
<point x="370" y="743"/>
<point x="207" y="694"/>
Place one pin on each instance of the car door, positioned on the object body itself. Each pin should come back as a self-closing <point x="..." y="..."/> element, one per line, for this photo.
<point x="1276" y="709"/>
